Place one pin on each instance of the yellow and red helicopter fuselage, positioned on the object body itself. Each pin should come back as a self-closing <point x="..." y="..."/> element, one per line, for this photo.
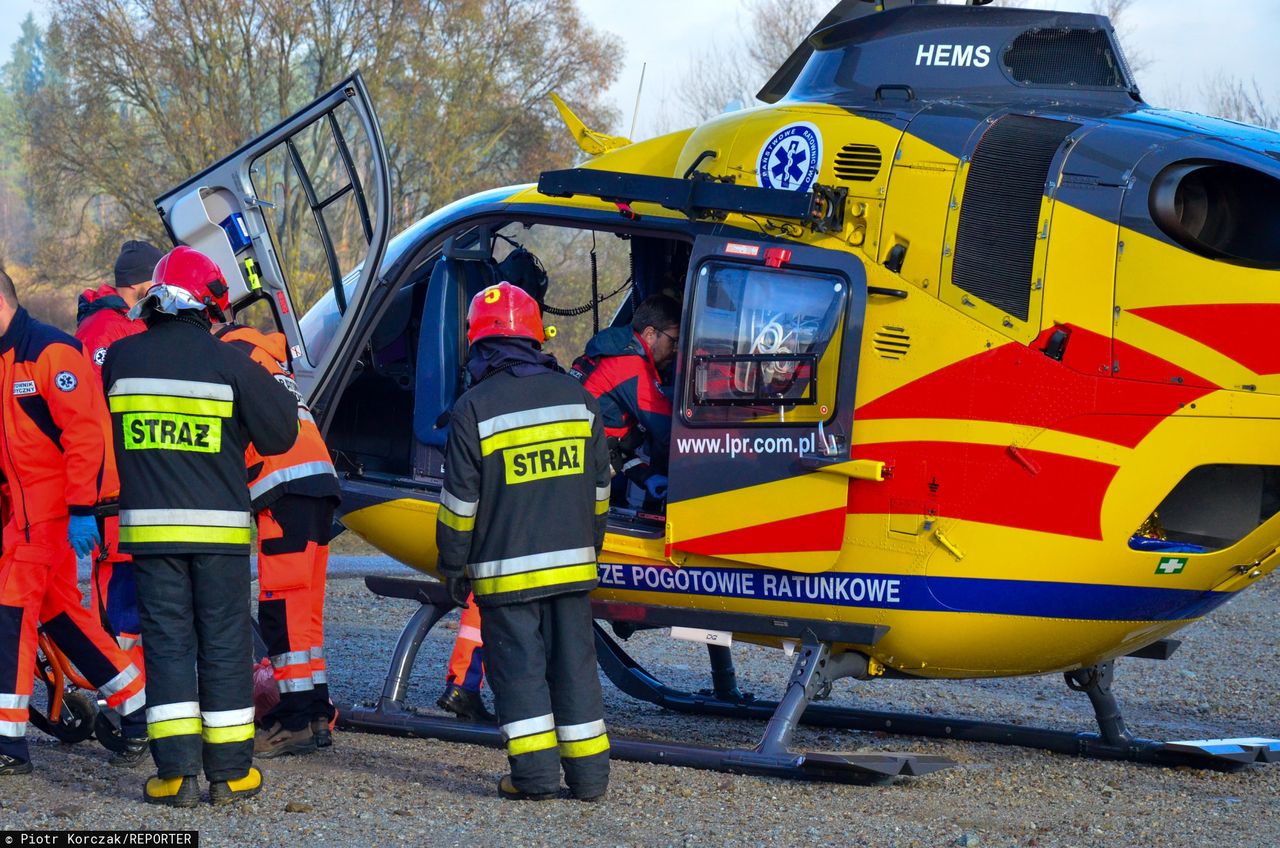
<point x="1054" y="432"/>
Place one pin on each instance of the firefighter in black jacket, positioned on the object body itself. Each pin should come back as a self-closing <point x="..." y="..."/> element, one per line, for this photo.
<point x="184" y="406"/>
<point x="522" y="520"/>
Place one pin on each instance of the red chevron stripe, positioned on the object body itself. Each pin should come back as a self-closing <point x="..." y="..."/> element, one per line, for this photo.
<point x="1244" y="332"/>
<point x="1014" y="384"/>
<point x="818" y="531"/>
<point x="1036" y="490"/>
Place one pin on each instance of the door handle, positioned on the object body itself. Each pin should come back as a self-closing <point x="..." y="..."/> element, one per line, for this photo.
<point x="900" y="294"/>
<point x="856" y="469"/>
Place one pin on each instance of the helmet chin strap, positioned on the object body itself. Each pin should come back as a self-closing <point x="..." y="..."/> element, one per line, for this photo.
<point x="216" y="315"/>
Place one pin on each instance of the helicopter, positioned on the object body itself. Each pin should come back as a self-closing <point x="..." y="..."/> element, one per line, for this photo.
<point x="974" y="376"/>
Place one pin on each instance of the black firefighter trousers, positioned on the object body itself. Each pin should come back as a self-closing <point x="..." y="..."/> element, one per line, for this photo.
<point x="540" y="658"/>
<point x="196" y="628"/>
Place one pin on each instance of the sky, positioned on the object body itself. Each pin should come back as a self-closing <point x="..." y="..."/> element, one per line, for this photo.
<point x="1186" y="42"/>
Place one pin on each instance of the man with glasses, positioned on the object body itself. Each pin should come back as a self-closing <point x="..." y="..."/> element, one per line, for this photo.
<point x="623" y="367"/>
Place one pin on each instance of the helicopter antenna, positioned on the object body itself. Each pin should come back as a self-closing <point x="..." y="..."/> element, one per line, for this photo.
<point x="636" y="111"/>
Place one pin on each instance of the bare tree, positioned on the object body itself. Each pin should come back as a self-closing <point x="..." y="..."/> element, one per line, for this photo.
<point x="1119" y="11"/>
<point x="729" y="71"/>
<point x="1231" y="97"/>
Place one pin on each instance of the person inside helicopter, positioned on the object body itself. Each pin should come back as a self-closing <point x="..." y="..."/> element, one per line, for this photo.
<point x="623" y="367"/>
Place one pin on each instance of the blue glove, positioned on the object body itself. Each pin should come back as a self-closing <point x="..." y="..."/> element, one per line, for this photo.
<point x="82" y="533"/>
<point x="656" y="486"/>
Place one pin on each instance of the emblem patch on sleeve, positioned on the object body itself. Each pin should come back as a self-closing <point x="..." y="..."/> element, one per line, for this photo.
<point x="66" y="381"/>
<point x="100" y="356"/>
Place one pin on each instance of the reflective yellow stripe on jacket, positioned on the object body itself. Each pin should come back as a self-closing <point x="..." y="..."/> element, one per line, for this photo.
<point x="206" y="526"/>
<point x="534" y="571"/>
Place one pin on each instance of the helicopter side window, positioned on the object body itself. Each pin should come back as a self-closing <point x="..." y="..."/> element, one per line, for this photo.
<point x="762" y="348"/>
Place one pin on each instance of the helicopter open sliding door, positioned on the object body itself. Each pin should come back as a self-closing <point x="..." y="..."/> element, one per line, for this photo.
<point x="770" y="347"/>
<point x="298" y="214"/>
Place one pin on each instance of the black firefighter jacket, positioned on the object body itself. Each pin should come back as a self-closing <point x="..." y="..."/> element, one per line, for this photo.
<point x="184" y="406"/>
<point x="526" y="488"/>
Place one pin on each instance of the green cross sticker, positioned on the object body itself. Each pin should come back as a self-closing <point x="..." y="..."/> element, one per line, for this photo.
<point x="1171" y="565"/>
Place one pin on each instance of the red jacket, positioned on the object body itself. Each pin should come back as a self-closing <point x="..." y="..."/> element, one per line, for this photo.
<point x="305" y="469"/>
<point x="618" y="369"/>
<point x="101" y="319"/>
<point x="53" y="424"/>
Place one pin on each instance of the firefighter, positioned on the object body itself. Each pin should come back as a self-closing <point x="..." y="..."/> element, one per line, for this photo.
<point x="53" y="426"/>
<point x="464" y="675"/>
<point x="522" y="520"/>
<point x="294" y="495"/>
<point x="101" y="319"/>
<point x="623" y="367"/>
<point x="184" y="408"/>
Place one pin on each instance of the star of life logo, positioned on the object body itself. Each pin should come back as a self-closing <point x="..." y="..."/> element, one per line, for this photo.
<point x="790" y="158"/>
<point x="100" y="356"/>
<point x="66" y="381"/>
<point x="1171" y="565"/>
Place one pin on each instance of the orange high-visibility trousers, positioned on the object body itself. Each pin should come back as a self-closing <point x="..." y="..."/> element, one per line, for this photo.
<point x="293" y="555"/>
<point x="466" y="663"/>
<point x="38" y="589"/>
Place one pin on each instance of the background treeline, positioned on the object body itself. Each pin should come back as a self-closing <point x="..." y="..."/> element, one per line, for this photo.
<point x="115" y="101"/>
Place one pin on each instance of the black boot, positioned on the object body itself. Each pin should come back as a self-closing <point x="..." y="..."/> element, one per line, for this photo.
<point x="465" y="704"/>
<point x="13" y="765"/>
<point x="134" y="752"/>
<point x="320" y="730"/>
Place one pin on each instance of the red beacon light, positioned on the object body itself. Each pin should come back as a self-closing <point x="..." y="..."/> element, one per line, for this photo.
<point x="775" y="257"/>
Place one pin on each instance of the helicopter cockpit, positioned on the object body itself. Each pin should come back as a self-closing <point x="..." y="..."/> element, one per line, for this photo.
<point x="413" y="368"/>
<point x="757" y="349"/>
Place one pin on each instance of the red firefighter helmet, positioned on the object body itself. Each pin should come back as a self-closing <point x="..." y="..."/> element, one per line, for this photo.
<point x="186" y="279"/>
<point x="504" y="310"/>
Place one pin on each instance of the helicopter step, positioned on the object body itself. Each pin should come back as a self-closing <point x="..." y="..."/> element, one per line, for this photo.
<point x="815" y="670"/>
<point x="1112" y="742"/>
<point x="771" y="756"/>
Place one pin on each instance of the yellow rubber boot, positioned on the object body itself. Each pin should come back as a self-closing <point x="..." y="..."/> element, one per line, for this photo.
<point x="172" y="791"/>
<point x="222" y="792"/>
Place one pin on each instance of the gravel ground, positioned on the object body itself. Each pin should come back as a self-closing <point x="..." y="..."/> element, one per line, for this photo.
<point x="374" y="790"/>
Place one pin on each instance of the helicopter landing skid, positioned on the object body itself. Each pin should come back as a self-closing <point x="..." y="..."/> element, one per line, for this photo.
<point x="1114" y="742"/>
<point x="815" y="670"/>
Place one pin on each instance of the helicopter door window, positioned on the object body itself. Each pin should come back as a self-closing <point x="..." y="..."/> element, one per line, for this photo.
<point x="320" y="220"/>
<point x="765" y="345"/>
<point x="259" y="313"/>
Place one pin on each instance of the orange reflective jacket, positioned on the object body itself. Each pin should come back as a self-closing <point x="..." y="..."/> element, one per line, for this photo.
<point x="305" y="469"/>
<point x="54" y="424"/>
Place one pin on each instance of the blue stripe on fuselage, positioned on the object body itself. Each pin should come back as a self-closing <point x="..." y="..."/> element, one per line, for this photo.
<point x="1040" y="599"/>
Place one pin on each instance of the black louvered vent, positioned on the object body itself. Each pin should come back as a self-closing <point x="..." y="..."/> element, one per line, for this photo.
<point x="859" y="163"/>
<point x="1066" y="57"/>
<point x="1000" y="216"/>
<point x="891" y="342"/>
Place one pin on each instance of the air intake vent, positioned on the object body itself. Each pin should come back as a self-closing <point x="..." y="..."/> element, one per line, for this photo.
<point x="1000" y="213"/>
<point x="1066" y="58"/>
<point x="1274" y="154"/>
<point x="859" y="163"/>
<point x="891" y="342"/>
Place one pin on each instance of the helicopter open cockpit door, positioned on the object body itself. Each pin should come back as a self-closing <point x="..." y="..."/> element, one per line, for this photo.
<point x="764" y="411"/>
<point x="297" y="214"/>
